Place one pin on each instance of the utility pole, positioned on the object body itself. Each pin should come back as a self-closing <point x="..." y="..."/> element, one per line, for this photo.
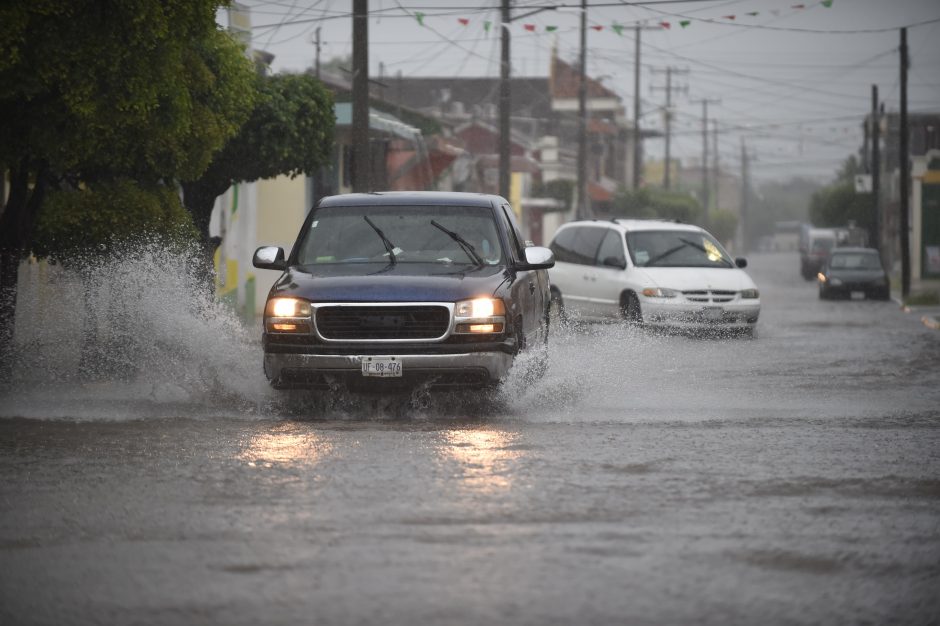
<point x="705" y="200"/>
<point x="316" y="65"/>
<point x="582" y="211"/>
<point x="904" y="159"/>
<point x="875" y="165"/>
<point x="745" y="196"/>
<point x="716" y="169"/>
<point x="505" y="164"/>
<point x="637" y="142"/>
<point x="362" y="161"/>
<point x="667" y="116"/>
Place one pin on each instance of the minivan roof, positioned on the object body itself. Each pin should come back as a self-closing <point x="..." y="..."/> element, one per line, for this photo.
<point x="404" y="198"/>
<point x="640" y="224"/>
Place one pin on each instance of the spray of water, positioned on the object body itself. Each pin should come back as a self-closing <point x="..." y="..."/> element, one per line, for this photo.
<point x="137" y="335"/>
<point x="132" y="334"/>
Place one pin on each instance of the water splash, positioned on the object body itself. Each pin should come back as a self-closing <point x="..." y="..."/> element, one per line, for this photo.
<point x="133" y="334"/>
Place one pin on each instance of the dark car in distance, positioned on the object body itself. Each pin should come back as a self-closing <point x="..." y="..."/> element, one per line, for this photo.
<point x="401" y="289"/>
<point x="854" y="273"/>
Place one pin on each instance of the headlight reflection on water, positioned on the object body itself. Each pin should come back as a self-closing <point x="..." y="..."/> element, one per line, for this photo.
<point x="285" y="445"/>
<point x="485" y="457"/>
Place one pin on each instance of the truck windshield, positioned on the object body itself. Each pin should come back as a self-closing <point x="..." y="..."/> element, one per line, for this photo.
<point x="387" y="234"/>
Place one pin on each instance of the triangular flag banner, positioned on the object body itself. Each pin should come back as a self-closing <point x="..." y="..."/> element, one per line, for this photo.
<point x="529" y="27"/>
<point x="798" y="6"/>
<point x="665" y="25"/>
<point x="420" y="17"/>
<point x="826" y="3"/>
<point x="729" y="17"/>
<point x="551" y="29"/>
<point x="487" y="26"/>
<point x="598" y="28"/>
<point x="463" y="21"/>
<point x="754" y="13"/>
<point x="618" y="28"/>
<point x="684" y="23"/>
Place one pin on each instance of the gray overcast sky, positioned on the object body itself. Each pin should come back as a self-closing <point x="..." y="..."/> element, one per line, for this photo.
<point x="795" y="82"/>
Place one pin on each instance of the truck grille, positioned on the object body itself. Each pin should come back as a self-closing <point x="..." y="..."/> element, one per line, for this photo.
<point x="354" y="322"/>
<point x="704" y="295"/>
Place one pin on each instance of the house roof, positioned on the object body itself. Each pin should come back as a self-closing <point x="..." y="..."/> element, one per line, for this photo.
<point x="564" y="82"/>
<point x="530" y="95"/>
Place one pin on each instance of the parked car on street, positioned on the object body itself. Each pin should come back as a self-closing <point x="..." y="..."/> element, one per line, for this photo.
<point x="854" y="273"/>
<point x="652" y="272"/>
<point x="401" y="289"/>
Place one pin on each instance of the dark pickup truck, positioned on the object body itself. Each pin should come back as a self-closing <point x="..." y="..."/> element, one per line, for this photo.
<point x="400" y="289"/>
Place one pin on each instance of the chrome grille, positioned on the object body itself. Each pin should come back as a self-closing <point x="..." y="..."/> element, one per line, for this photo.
<point x="374" y="322"/>
<point x="705" y="295"/>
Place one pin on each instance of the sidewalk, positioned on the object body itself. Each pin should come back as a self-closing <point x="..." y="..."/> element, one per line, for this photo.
<point x="919" y="300"/>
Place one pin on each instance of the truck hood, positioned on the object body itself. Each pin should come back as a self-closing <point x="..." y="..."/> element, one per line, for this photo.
<point x="697" y="278"/>
<point x="404" y="282"/>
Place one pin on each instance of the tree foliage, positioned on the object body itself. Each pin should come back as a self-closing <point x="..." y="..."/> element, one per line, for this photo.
<point x="838" y="204"/>
<point x="561" y="189"/>
<point x="723" y="224"/>
<point x="89" y="222"/>
<point x="652" y="202"/>
<point x="147" y="88"/>
<point x="289" y="131"/>
<point x="94" y="91"/>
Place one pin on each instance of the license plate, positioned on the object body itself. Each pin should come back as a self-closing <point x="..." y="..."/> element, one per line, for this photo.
<point x="858" y="295"/>
<point x="713" y="313"/>
<point x="382" y="367"/>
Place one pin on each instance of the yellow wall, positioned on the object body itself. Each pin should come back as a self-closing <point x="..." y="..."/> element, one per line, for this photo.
<point x="281" y="210"/>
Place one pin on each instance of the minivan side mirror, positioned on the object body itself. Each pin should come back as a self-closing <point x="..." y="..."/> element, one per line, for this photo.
<point x="741" y="262"/>
<point x="613" y="261"/>
<point x="269" y="258"/>
<point x="537" y="258"/>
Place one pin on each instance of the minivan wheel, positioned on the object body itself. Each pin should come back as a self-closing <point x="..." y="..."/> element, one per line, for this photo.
<point x="630" y="308"/>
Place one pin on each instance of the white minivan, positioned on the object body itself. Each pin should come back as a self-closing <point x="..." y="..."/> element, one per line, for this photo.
<point x="653" y="272"/>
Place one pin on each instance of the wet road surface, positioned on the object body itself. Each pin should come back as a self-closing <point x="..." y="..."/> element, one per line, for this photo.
<point x="648" y="479"/>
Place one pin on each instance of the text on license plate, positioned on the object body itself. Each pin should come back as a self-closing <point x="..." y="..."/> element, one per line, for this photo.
<point x="384" y="367"/>
<point x="713" y="313"/>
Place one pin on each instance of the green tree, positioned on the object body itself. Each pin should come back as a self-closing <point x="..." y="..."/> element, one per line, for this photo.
<point x="78" y="225"/>
<point x="561" y="189"/>
<point x="289" y="131"/>
<point x="838" y="204"/>
<point x="148" y="89"/>
<point x="723" y="224"/>
<point x="652" y="202"/>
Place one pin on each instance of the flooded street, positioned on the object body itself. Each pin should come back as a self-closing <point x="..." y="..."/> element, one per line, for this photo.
<point x="647" y="479"/>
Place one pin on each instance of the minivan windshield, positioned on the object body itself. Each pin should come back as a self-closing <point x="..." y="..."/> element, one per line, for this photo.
<point x="676" y="248"/>
<point x="395" y="234"/>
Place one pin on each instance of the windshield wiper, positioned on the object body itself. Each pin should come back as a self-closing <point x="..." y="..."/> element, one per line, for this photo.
<point x="685" y="242"/>
<point x="660" y="257"/>
<point x="466" y="245"/>
<point x="388" y="244"/>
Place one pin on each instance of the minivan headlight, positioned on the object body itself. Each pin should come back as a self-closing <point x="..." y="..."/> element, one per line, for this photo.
<point x="750" y="294"/>
<point x="287" y="315"/>
<point x="479" y="316"/>
<point x="660" y="292"/>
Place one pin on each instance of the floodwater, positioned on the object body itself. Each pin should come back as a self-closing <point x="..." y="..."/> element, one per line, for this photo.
<point x="647" y="479"/>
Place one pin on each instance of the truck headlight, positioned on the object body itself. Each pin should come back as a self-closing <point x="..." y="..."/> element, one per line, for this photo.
<point x="287" y="315"/>
<point x="479" y="316"/>
<point x="750" y="294"/>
